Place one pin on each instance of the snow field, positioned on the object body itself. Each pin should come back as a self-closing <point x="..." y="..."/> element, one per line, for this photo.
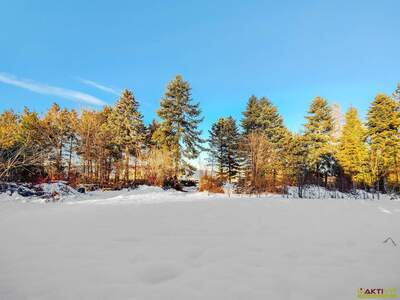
<point x="154" y="244"/>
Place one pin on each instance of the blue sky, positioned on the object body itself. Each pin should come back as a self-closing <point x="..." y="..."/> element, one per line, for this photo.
<point x="81" y="53"/>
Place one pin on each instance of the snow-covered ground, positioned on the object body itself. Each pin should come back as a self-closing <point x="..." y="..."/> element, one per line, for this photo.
<point x="154" y="244"/>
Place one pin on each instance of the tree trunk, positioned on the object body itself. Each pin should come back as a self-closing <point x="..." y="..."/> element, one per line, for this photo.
<point x="117" y="171"/>
<point x="70" y="158"/>
<point x="135" y="169"/>
<point x="126" y="163"/>
<point x="59" y="167"/>
<point x="229" y="172"/>
<point x="274" y="180"/>
<point x="397" y="171"/>
<point x="177" y="166"/>
<point x="91" y="170"/>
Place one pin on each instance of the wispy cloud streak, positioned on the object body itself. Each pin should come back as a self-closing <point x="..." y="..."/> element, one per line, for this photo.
<point x="98" y="86"/>
<point x="50" y="90"/>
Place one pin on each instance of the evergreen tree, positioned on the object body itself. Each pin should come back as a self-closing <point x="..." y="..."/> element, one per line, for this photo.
<point x="178" y="129"/>
<point x="233" y="159"/>
<point x="71" y="137"/>
<point x="53" y="140"/>
<point x="251" y="115"/>
<point x="275" y="132"/>
<point x="383" y="132"/>
<point x="30" y="137"/>
<point x="318" y="138"/>
<point x="150" y="131"/>
<point x="126" y="124"/>
<point x="352" y="151"/>
<point x="270" y="122"/>
<point x="295" y="161"/>
<point x="8" y="129"/>
<point x="262" y="116"/>
<point x="109" y="152"/>
<point x="21" y="146"/>
<point x="89" y="127"/>
<point x="30" y="129"/>
<point x="217" y="145"/>
<point x="258" y="152"/>
<point x="224" y="146"/>
<point x="57" y="129"/>
<point x="8" y="142"/>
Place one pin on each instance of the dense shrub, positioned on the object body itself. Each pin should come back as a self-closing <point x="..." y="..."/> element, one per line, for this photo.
<point x="211" y="184"/>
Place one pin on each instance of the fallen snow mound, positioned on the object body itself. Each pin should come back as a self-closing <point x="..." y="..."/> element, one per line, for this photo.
<point x="317" y="192"/>
<point x="40" y="192"/>
<point x="143" y="194"/>
<point x="59" y="188"/>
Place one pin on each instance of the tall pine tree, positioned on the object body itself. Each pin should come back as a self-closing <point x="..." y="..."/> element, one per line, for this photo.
<point x="58" y="128"/>
<point x="318" y="138"/>
<point x="180" y="119"/>
<point x="383" y="131"/>
<point x="270" y="122"/>
<point x="251" y="116"/>
<point x="8" y="129"/>
<point x="262" y="116"/>
<point x="352" y="151"/>
<point x="126" y="125"/>
<point x="224" y="146"/>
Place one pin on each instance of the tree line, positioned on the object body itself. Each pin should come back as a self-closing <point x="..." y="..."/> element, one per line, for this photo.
<point x="112" y="147"/>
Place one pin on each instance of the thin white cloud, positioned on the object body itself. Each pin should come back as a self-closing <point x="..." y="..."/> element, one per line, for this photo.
<point x="98" y="86"/>
<point x="50" y="90"/>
